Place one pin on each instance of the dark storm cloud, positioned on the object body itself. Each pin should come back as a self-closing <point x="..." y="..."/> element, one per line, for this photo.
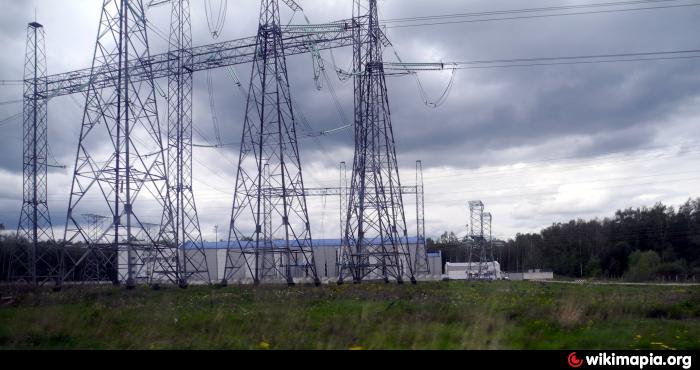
<point x="604" y="107"/>
<point x="595" y="103"/>
<point x="539" y="104"/>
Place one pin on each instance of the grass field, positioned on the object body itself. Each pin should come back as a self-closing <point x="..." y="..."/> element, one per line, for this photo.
<point x="439" y="315"/>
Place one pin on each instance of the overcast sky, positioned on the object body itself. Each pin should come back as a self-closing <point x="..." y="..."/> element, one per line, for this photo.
<point x="537" y="145"/>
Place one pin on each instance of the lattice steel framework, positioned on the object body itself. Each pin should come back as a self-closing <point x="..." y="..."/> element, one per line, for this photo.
<point x="421" y="261"/>
<point x="480" y="249"/>
<point x="488" y="237"/>
<point x="343" y="193"/>
<point x="269" y="172"/>
<point x="124" y="64"/>
<point x="94" y="227"/>
<point x="375" y="244"/>
<point x="297" y="39"/>
<point x="182" y="258"/>
<point x="35" y="264"/>
<point x="343" y="190"/>
<point x="120" y="167"/>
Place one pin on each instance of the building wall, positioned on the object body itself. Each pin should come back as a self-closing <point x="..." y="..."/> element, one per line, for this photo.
<point x="326" y="259"/>
<point x="213" y="264"/>
<point x="435" y="265"/>
<point x="531" y="275"/>
<point x="538" y="276"/>
<point x="463" y="270"/>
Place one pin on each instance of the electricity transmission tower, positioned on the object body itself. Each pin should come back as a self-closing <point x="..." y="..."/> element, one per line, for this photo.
<point x="343" y="190"/>
<point x="270" y="231"/>
<point x="182" y="258"/>
<point x="488" y="241"/>
<point x="375" y="244"/>
<point x="481" y="247"/>
<point x="120" y="157"/>
<point x="476" y="248"/>
<point x="421" y="263"/>
<point x="35" y="264"/>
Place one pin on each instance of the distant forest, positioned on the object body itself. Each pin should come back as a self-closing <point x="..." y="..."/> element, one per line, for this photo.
<point x="657" y="243"/>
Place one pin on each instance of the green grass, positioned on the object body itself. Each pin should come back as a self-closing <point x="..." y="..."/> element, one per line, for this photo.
<point x="439" y="315"/>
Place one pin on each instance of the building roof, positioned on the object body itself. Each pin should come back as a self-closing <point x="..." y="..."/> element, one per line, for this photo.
<point x="316" y="243"/>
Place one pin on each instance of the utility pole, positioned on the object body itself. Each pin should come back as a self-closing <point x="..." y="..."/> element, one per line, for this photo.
<point x="216" y="235"/>
<point x="529" y="254"/>
<point x="580" y="255"/>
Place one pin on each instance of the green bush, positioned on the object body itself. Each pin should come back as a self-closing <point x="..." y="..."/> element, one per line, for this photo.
<point x="642" y="266"/>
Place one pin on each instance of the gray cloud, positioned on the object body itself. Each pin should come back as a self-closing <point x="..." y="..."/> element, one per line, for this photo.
<point x="492" y="117"/>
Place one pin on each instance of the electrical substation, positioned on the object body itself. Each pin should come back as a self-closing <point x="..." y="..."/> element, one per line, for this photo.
<point x="114" y="233"/>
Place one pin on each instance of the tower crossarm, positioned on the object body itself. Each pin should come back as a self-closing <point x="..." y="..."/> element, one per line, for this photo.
<point x="336" y="191"/>
<point x="297" y="40"/>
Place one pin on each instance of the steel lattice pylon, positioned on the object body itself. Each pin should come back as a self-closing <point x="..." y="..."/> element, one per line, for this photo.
<point x="120" y="168"/>
<point x="375" y="244"/>
<point x="481" y="247"/>
<point x="35" y="264"/>
<point x="182" y="258"/>
<point x="488" y="236"/>
<point x="269" y="234"/>
<point x="343" y="190"/>
<point x="421" y="262"/>
<point x="476" y="232"/>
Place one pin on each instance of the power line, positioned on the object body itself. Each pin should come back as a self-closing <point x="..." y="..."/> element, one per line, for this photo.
<point x="594" y="56"/>
<point x="11" y="102"/>
<point x="580" y="62"/>
<point x="410" y="68"/>
<point x="215" y="23"/>
<point x="9" y="119"/>
<point x="524" y="10"/>
<point x="540" y="16"/>
<point x="11" y="82"/>
<point x="212" y="107"/>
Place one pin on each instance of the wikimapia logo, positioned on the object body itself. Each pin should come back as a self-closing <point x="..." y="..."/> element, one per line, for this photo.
<point x="573" y="361"/>
<point x="651" y="360"/>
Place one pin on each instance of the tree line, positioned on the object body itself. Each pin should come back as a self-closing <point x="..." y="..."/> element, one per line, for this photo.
<point x="648" y="243"/>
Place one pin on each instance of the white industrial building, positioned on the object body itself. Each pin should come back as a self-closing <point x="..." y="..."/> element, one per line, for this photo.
<point x="472" y="271"/>
<point x="535" y="274"/>
<point x="326" y="257"/>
